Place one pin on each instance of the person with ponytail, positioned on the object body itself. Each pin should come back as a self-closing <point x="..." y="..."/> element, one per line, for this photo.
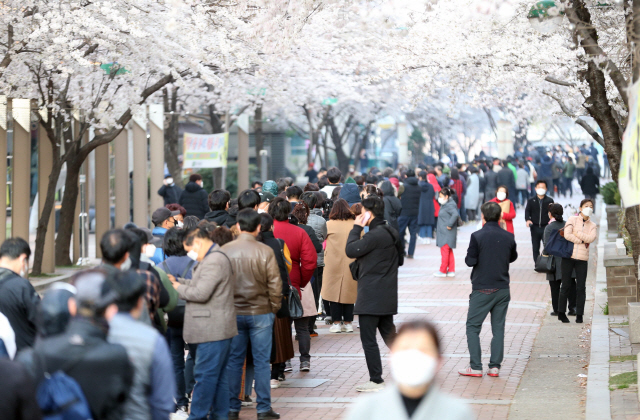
<point x="557" y="223"/>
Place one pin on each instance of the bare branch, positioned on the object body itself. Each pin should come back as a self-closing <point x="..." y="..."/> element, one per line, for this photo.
<point x="558" y="82"/>
<point x="593" y="133"/>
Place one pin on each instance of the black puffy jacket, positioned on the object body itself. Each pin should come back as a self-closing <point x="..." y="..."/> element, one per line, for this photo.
<point x="221" y="218"/>
<point x="410" y="198"/>
<point x="195" y="200"/>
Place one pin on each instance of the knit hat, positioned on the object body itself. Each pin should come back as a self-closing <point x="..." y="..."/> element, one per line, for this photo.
<point x="270" y="187"/>
<point x="351" y="194"/>
<point x="350" y="181"/>
<point x="446" y="170"/>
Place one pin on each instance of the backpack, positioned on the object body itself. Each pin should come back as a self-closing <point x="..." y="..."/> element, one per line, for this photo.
<point x="60" y="397"/>
<point x="558" y="246"/>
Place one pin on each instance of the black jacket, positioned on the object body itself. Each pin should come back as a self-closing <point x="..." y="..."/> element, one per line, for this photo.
<point x="505" y="177"/>
<point x="18" y="396"/>
<point x="590" y="183"/>
<point x="268" y="239"/>
<point x="491" y="185"/>
<point x="491" y="250"/>
<point x="378" y="254"/>
<point x="19" y="303"/>
<point x="426" y="215"/>
<point x="221" y="217"/>
<point x="392" y="205"/>
<point x="195" y="200"/>
<point x="170" y="193"/>
<point x="410" y="198"/>
<point x="537" y="210"/>
<point x="102" y="369"/>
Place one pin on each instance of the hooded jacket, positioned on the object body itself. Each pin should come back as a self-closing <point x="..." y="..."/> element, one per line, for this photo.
<point x="392" y="204"/>
<point x="410" y="198"/>
<point x="351" y="194"/>
<point x="221" y="218"/>
<point x="195" y="200"/>
<point x="590" y="183"/>
<point x="426" y="215"/>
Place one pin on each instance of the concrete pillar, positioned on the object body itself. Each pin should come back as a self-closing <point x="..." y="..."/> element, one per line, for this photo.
<point x="101" y="188"/>
<point x="140" y="186"/>
<point x="403" y="144"/>
<point x="156" y="154"/>
<point x="505" y="139"/>
<point x="45" y="165"/>
<point x="3" y="168"/>
<point x="21" y="177"/>
<point x="121" y="178"/>
<point x="243" y="152"/>
<point x="84" y="171"/>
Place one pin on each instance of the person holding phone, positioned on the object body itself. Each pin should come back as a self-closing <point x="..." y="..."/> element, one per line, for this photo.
<point x="378" y="255"/>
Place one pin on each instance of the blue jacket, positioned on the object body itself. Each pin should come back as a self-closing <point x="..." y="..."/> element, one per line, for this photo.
<point x="544" y="169"/>
<point x="158" y="233"/>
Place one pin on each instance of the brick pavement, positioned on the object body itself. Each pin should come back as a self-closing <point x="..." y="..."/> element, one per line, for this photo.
<point x="624" y="402"/>
<point x="340" y="358"/>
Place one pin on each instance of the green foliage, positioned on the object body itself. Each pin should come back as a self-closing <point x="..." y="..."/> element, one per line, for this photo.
<point x="605" y="308"/>
<point x="623" y="380"/>
<point x="232" y="177"/>
<point x="610" y="193"/>
<point x="416" y="145"/>
<point x="623" y="358"/>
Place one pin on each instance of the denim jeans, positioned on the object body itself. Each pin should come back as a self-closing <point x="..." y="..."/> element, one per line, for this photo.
<point x="211" y="392"/>
<point x="176" y="345"/>
<point x="410" y="222"/>
<point x="258" y="329"/>
<point x="426" y="231"/>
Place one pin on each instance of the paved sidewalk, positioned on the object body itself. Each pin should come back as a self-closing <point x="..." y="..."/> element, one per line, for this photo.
<point x="624" y="402"/>
<point x="339" y="358"/>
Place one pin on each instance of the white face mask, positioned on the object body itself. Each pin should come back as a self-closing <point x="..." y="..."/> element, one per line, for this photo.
<point x="193" y="255"/>
<point x="169" y="181"/>
<point x="442" y="200"/>
<point x="412" y="367"/>
<point x="180" y="224"/>
<point x="24" y="272"/>
<point x="501" y="195"/>
<point x="587" y="211"/>
<point x="126" y="265"/>
<point x="541" y="191"/>
<point x="150" y="250"/>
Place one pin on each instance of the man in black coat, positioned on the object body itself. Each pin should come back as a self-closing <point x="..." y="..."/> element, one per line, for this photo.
<point x="491" y="250"/>
<point x="506" y="178"/>
<point x="102" y="369"/>
<point x="169" y="191"/>
<point x="219" y="205"/>
<point x="378" y="254"/>
<point x="491" y="184"/>
<point x="536" y="215"/>
<point x="410" y="200"/>
<point x="194" y="198"/>
<point x="18" y="299"/>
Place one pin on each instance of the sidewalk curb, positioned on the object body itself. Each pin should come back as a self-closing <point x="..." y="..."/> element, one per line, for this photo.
<point x="598" y="396"/>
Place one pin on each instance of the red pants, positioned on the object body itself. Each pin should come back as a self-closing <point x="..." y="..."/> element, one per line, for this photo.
<point x="448" y="261"/>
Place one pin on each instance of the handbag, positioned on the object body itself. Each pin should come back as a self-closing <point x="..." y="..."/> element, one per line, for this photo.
<point x="558" y="246"/>
<point x="291" y="306"/>
<point x="545" y="264"/>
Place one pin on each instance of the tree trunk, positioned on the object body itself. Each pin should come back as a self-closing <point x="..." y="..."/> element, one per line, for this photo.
<point x="258" y="136"/>
<point x="67" y="212"/>
<point x="171" y="142"/>
<point x="43" y="222"/>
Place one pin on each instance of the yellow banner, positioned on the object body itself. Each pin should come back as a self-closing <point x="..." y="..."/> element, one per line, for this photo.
<point x="205" y="150"/>
<point x="629" y="176"/>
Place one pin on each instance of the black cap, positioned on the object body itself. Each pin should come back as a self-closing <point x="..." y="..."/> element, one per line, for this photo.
<point x="162" y="214"/>
<point x="266" y="197"/>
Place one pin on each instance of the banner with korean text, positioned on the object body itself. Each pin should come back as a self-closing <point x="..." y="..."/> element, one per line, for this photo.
<point x="205" y="150"/>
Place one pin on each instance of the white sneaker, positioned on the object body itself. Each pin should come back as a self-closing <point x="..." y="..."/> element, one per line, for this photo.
<point x="347" y="328"/>
<point x="428" y="241"/>
<point x="470" y="372"/>
<point x="495" y="372"/>
<point x="275" y="384"/>
<point x="439" y="274"/>
<point x="370" y="387"/>
<point x="451" y="274"/>
<point x="423" y="241"/>
<point x="335" y="328"/>
<point x="180" y="414"/>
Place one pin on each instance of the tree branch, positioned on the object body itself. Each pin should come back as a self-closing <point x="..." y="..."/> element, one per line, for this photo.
<point x="593" y="133"/>
<point x="558" y="82"/>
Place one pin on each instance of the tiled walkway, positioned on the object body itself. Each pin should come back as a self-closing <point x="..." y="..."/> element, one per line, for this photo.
<point x="340" y="358"/>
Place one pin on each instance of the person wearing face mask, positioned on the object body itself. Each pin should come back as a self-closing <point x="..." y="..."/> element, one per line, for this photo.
<point x="582" y="232"/>
<point x="194" y="198"/>
<point x="153" y="389"/>
<point x="447" y="233"/>
<point x="163" y="219"/>
<point x="209" y="320"/>
<point x="491" y="251"/>
<point x="415" y="360"/>
<point x="536" y="215"/>
<point x="508" y="209"/>
<point x="18" y="299"/>
<point x="378" y="255"/>
<point x="179" y="218"/>
<point x="169" y="191"/>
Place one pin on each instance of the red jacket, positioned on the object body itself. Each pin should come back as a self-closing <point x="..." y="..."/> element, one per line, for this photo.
<point x="507" y="217"/>
<point x="431" y="179"/>
<point x="304" y="258"/>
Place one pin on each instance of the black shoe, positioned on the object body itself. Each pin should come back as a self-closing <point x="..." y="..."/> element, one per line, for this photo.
<point x="268" y="415"/>
<point x="234" y="415"/>
<point x="409" y="257"/>
<point x="554" y="313"/>
<point x="578" y="319"/>
<point x="281" y="377"/>
<point x="562" y="317"/>
<point x="572" y="312"/>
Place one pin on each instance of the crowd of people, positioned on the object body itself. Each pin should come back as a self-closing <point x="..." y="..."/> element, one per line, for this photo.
<point x="188" y="319"/>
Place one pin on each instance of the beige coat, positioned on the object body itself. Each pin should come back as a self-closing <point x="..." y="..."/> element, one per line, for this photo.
<point x="580" y="232"/>
<point x="337" y="283"/>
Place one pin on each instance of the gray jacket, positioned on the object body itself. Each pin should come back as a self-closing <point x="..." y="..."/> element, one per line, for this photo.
<point x="210" y="314"/>
<point x="448" y="216"/>
<point x="319" y="225"/>
<point x="387" y="404"/>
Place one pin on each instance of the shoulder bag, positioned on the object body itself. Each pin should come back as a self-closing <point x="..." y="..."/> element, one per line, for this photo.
<point x="558" y="246"/>
<point x="291" y="302"/>
<point x="545" y="264"/>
